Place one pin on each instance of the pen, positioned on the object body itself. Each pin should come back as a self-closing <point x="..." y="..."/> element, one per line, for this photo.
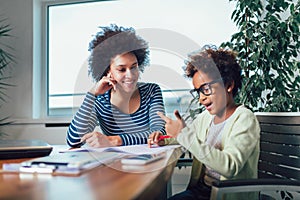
<point x="159" y="139"/>
<point x="163" y="137"/>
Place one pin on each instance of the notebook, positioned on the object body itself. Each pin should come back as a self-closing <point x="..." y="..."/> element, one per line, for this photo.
<point x="13" y="149"/>
<point x="68" y="163"/>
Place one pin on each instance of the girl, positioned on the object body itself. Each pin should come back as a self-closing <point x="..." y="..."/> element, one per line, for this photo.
<point x="224" y="139"/>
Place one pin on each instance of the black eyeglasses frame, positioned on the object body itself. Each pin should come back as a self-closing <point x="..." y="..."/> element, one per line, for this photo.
<point x="200" y="89"/>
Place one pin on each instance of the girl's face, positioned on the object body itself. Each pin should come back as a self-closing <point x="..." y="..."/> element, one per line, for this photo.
<point x="216" y="99"/>
<point x="125" y="71"/>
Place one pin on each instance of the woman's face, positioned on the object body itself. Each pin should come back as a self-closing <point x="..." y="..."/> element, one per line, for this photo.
<point x="216" y="102"/>
<point x="124" y="69"/>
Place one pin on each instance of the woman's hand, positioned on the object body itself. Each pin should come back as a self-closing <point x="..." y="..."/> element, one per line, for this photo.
<point x="154" y="139"/>
<point x="96" y="139"/>
<point x="106" y="83"/>
<point x="173" y="127"/>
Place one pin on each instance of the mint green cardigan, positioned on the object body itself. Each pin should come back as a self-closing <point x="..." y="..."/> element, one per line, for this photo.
<point x="238" y="157"/>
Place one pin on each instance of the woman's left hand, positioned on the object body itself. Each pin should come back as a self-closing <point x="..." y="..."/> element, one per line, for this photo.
<point x="96" y="139"/>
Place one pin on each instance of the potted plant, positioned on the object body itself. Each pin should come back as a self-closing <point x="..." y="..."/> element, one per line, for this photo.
<point x="6" y="59"/>
<point x="268" y="47"/>
<point x="268" y="50"/>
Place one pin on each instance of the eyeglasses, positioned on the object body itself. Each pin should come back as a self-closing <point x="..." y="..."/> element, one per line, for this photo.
<point x="204" y="89"/>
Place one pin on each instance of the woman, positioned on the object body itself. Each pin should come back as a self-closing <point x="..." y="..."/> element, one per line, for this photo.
<point x="124" y="108"/>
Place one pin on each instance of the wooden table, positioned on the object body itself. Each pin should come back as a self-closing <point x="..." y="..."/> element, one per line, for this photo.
<point x="109" y="181"/>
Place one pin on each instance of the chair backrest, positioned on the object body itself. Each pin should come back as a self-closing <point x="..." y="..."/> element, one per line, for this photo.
<point x="279" y="145"/>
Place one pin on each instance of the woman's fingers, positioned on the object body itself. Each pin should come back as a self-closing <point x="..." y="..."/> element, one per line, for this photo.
<point x="85" y="137"/>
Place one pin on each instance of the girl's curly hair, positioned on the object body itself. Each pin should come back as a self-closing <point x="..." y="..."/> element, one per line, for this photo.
<point x="112" y="41"/>
<point x="217" y="63"/>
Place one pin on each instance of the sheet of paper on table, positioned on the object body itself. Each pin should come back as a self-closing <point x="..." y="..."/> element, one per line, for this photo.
<point x="130" y="149"/>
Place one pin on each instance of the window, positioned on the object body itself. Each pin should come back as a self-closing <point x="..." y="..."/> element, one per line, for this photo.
<point x="172" y="28"/>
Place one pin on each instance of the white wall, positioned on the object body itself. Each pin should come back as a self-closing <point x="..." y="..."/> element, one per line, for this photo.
<point x="19" y="106"/>
<point x="19" y="16"/>
<point x="52" y="135"/>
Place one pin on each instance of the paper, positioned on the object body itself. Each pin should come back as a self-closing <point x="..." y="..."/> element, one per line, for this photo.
<point x="130" y="149"/>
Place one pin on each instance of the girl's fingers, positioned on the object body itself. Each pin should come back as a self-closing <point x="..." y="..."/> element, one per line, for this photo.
<point x="165" y="118"/>
<point x="177" y="114"/>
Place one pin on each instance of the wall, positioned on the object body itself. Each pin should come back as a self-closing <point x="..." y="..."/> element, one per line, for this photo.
<point x="36" y="130"/>
<point x="19" y="106"/>
<point x="19" y="16"/>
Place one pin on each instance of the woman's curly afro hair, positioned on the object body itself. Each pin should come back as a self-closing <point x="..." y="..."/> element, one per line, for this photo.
<point x="112" y="41"/>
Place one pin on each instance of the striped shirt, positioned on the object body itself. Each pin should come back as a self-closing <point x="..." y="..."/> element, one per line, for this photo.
<point x="133" y="128"/>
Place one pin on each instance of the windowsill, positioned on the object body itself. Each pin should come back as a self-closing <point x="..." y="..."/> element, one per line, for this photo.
<point x="47" y="121"/>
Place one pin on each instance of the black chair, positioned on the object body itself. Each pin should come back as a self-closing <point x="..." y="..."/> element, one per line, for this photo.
<point x="279" y="161"/>
<point x="185" y="160"/>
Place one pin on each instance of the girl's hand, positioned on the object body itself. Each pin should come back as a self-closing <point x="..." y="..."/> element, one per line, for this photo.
<point x="106" y="83"/>
<point x="173" y="127"/>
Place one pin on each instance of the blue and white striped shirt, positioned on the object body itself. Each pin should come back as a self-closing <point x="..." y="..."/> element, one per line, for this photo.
<point x="133" y="128"/>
